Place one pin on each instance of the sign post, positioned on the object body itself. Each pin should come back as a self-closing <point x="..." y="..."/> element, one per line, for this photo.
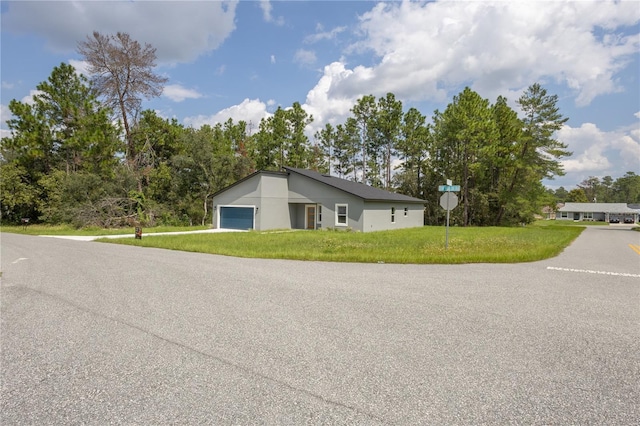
<point x="448" y="201"/>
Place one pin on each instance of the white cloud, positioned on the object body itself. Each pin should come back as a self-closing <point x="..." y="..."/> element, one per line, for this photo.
<point x="323" y="35"/>
<point x="250" y="111"/>
<point x="29" y="98"/>
<point x="273" y="59"/>
<point x="7" y="85"/>
<point x="266" y="7"/>
<point x="180" y="31"/>
<point x="305" y="57"/>
<point x="5" y="114"/>
<point x="178" y="93"/>
<point x="426" y="50"/>
<point x="325" y="106"/>
<point x="600" y="153"/>
<point x="82" y="67"/>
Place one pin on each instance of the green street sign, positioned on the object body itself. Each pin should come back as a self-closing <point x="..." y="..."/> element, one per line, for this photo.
<point x="449" y="188"/>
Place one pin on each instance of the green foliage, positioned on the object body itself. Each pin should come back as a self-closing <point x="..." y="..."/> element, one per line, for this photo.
<point x="17" y="196"/>
<point x="66" y="162"/>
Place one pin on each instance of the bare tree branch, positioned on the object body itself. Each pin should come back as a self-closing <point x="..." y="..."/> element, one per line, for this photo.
<point x="122" y="72"/>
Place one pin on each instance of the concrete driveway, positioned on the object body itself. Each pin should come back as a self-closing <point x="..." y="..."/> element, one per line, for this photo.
<point x="132" y="234"/>
<point x="97" y="333"/>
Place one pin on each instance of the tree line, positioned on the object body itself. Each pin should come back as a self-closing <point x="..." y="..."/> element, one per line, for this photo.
<point x="625" y="189"/>
<point x="84" y="152"/>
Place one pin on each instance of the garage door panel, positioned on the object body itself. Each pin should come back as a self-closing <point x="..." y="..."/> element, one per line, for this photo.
<point x="236" y="217"/>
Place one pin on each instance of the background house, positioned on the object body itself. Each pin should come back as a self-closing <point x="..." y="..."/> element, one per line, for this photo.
<point x="305" y="199"/>
<point x="597" y="212"/>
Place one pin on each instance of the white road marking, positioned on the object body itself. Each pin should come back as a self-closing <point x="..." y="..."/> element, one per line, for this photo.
<point x="19" y="260"/>
<point x="587" y="271"/>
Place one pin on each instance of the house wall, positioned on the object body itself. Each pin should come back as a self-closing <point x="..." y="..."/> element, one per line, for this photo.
<point x="586" y="216"/>
<point x="266" y="192"/>
<point x="308" y="191"/>
<point x="377" y="216"/>
<point x="280" y="204"/>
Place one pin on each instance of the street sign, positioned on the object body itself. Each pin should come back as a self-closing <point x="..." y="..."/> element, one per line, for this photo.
<point x="449" y="188"/>
<point x="448" y="201"/>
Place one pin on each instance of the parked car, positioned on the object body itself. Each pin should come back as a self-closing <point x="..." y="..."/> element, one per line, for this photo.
<point x="614" y="220"/>
<point x="628" y="220"/>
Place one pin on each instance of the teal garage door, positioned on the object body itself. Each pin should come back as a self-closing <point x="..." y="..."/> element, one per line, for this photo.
<point x="236" y="217"/>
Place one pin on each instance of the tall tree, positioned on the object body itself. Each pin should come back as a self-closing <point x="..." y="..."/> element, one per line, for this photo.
<point x="65" y="129"/>
<point x="502" y="154"/>
<point x="413" y="149"/>
<point x="299" y="151"/>
<point x="122" y="72"/>
<point x="386" y="125"/>
<point x="627" y="188"/>
<point x="591" y="188"/>
<point x="462" y="133"/>
<point x="364" y="111"/>
<point x="536" y="153"/>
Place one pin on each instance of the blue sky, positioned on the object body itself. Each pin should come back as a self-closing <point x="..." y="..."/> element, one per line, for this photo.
<point x="241" y="60"/>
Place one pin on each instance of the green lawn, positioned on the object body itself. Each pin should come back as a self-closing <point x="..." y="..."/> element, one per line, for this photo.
<point x="417" y="245"/>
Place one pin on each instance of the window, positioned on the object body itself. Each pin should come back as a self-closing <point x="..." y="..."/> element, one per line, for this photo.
<point x="406" y="211"/>
<point x="393" y="215"/>
<point x="564" y="215"/>
<point x="341" y="214"/>
<point x="587" y="216"/>
<point x="319" y="213"/>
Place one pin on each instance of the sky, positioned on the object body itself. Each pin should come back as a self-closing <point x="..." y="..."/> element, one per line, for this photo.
<point x="243" y="59"/>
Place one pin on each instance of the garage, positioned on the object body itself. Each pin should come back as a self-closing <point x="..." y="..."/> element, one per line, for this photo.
<point x="236" y="217"/>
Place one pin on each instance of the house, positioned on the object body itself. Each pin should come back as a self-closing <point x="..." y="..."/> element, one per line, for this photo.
<point x="305" y="199"/>
<point x="597" y="212"/>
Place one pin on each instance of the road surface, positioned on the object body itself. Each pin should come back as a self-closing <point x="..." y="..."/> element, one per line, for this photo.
<point x="96" y="333"/>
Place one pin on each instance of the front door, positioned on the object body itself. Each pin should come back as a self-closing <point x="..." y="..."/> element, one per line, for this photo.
<point x="310" y="217"/>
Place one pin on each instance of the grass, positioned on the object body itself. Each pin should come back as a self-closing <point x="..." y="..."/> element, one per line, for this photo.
<point x="417" y="245"/>
<point x="70" y="230"/>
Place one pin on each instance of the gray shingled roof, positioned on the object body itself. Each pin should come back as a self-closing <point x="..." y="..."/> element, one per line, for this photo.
<point x="618" y="208"/>
<point x="361" y="190"/>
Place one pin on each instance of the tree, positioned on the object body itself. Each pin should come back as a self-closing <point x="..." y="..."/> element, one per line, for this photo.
<point x="299" y="152"/>
<point x="627" y="188"/>
<point x="591" y="188"/>
<point x="363" y="111"/>
<point x="65" y="129"/>
<point x="122" y="72"/>
<point x="561" y="194"/>
<point x="539" y="152"/>
<point x="205" y="167"/>
<point x="413" y="148"/>
<point x="577" y="195"/>
<point x="386" y="129"/>
<point x="462" y="134"/>
<point x="534" y="153"/>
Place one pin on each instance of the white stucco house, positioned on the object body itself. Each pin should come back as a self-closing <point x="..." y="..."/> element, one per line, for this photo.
<point x="305" y="199"/>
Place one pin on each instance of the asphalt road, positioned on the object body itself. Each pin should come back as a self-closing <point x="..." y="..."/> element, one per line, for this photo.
<point x="95" y="333"/>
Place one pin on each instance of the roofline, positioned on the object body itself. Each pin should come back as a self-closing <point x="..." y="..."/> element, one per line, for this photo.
<point x="414" y="201"/>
